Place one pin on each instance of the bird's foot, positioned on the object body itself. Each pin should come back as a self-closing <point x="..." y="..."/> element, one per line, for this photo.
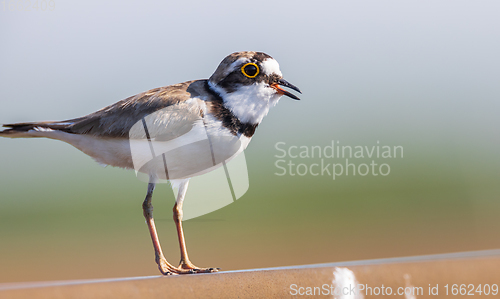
<point x="184" y="268"/>
<point x="166" y="268"/>
<point x="187" y="265"/>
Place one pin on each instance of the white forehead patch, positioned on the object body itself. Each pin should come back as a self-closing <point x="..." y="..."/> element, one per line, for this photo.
<point x="270" y="66"/>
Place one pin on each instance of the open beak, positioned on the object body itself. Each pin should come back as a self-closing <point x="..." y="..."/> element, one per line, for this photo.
<point x="285" y="83"/>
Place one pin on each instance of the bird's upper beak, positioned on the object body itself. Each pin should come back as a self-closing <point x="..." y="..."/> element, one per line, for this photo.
<point x="285" y="83"/>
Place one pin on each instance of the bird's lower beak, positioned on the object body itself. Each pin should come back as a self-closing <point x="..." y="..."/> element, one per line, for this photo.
<point x="285" y="83"/>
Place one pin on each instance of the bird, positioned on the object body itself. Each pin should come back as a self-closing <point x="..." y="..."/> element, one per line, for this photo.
<point x="175" y="132"/>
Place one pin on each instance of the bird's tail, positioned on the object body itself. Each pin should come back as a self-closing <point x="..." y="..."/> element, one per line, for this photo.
<point x="32" y="129"/>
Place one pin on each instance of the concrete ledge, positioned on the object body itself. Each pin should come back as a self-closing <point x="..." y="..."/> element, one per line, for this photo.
<point x="422" y="275"/>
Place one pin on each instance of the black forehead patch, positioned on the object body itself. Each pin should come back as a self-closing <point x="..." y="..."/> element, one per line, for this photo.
<point x="250" y="56"/>
<point x="236" y="78"/>
<point x="260" y="56"/>
<point x="230" y="82"/>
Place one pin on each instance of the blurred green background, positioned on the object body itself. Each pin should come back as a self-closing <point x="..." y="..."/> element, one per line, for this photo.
<point x="420" y="74"/>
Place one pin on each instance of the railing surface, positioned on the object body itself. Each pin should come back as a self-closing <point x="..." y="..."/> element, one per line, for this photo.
<point x="432" y="276"/>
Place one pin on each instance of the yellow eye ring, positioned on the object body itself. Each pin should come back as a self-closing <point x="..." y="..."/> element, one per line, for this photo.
<point x="251" y="70"/>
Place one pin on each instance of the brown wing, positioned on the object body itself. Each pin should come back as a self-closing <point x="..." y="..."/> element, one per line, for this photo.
<point x="115" y="121"/>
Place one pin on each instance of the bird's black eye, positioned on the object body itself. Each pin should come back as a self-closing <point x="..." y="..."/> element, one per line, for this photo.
<point x="251" y="70"/>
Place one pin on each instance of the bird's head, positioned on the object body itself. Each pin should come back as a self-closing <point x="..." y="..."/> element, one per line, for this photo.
<point x="250" y="83"/>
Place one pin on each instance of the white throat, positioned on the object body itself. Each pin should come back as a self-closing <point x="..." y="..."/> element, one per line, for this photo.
<point x="249" y="103"/>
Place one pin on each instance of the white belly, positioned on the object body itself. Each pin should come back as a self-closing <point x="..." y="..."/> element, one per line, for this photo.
<point x="201" y="150"/>
<point x="191" y="154"/>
